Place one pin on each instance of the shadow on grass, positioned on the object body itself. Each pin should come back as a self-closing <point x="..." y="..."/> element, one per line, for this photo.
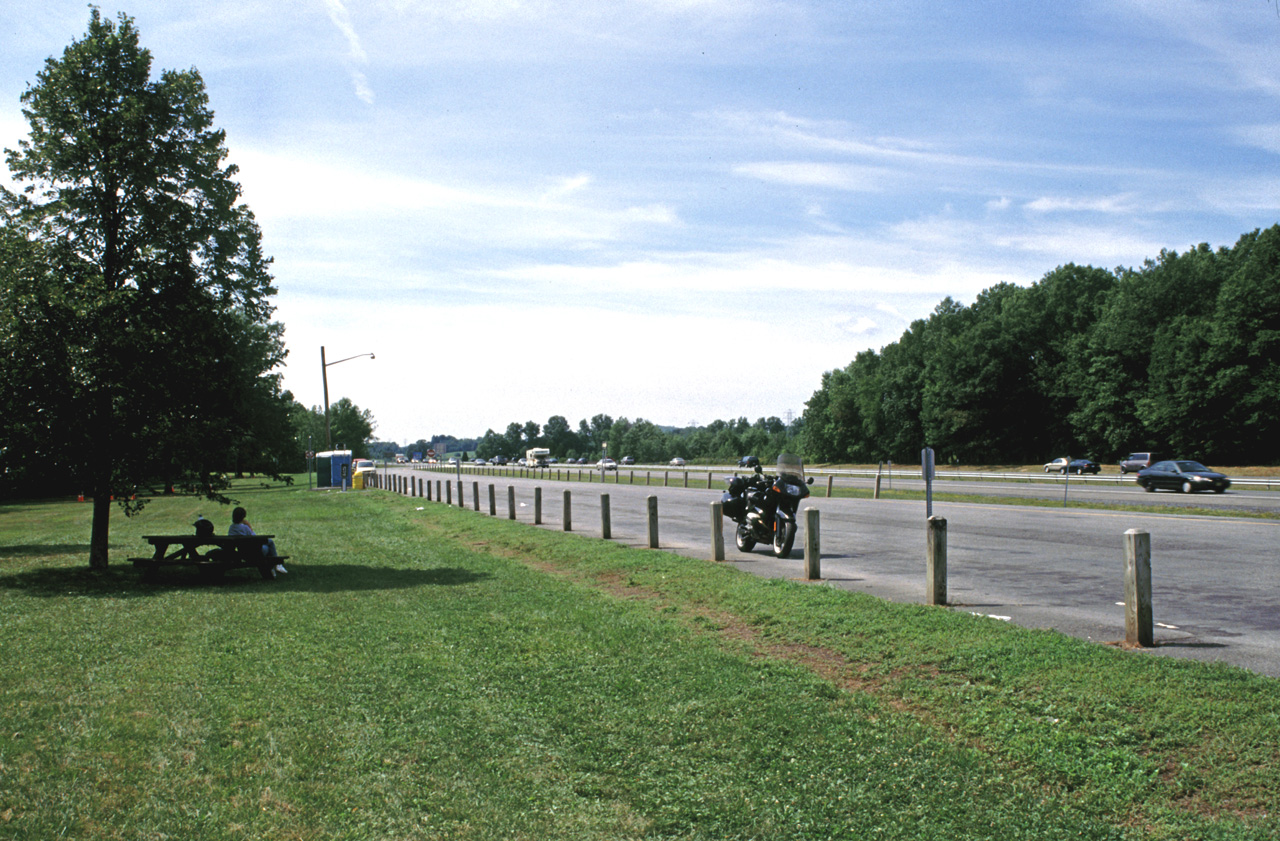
<point x="121" y="581"/>
<point x="36" y="550"/>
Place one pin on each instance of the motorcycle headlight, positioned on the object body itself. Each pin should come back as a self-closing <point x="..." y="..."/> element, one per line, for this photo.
<point x="794" y="490"/>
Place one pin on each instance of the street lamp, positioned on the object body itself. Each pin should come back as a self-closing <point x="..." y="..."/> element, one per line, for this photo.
<point x="324" y="375"/>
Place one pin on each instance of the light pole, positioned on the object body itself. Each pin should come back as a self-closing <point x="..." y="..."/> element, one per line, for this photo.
<point x="324" y="376"/>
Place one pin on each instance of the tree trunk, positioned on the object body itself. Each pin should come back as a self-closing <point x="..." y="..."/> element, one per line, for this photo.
<point x="98" y="542"/>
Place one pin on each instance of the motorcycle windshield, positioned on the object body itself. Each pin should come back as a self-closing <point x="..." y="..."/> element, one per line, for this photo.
<point x="791" y="465"/>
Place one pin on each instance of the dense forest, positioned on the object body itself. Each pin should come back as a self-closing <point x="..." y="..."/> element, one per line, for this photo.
<point x="1180" y="356"/>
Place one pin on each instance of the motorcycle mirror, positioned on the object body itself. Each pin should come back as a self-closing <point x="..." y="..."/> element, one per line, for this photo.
<point x="809" y="481"/>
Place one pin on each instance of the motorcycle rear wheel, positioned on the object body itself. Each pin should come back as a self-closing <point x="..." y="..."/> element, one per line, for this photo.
<point x="744" y="539"/>
<point x="784" y="537"/>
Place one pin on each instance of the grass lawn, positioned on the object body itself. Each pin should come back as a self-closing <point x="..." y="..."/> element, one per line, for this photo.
<point x="441" y="674"/>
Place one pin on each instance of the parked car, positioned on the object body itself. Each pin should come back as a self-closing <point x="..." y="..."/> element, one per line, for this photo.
<point x="748" y="461"/>
<point x="479" y="462"/>
<point x="607" y="464"/>
<point x="677" y="462"/>
<point x="1058" y="465"/>
<point x="1135" y="462"/>
<point x="627" y="460"/>
<point x="498" y="461"/>
<point x="1183" y="475"/>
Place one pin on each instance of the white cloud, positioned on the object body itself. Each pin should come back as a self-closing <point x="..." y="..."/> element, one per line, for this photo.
<point x="1264" y="136"/>
<point x="1098" y="204"/>
<point x="376" y="205"/>
<point x="356" y="54"/>
<point x="802" y="174"/>
<point x="856" y="325"/>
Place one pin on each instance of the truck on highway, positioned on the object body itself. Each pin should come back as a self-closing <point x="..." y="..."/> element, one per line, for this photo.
<point x="537" y="457"/>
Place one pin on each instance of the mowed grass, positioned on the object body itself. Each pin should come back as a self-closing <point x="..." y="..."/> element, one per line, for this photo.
<point x="426" y="672"/>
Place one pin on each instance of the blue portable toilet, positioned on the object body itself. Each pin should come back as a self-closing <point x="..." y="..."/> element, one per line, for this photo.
<point x="333" y="469"/>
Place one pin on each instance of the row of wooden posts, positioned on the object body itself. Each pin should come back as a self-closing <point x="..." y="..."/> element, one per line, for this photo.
<point x="1138" y="620"/>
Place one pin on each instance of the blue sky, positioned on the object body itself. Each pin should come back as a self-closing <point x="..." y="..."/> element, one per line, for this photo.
<point x="685" y="210"/>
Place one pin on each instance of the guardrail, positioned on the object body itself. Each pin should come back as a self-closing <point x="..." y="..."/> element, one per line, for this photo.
<point x="942" y="474"/>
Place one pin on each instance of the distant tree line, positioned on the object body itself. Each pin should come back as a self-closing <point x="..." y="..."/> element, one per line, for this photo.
<point x="719" y="441"/>
<point x="1180" y="356"/>
<point x="438" y="443"/>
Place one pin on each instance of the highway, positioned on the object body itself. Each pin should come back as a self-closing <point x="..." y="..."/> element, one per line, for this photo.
<point x="1216" y="579"/>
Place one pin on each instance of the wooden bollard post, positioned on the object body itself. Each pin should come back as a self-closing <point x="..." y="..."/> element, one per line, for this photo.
<point x="493" y="501"/>
<point x="812" y="546"/>
<point x="419" y="488"/>
<point x="936" y="567"/>
<point x="537" y="506"/>
<point x="511" y="502"/>
<point x="428" y="490"/>
<point x="1138" y="628"/>
<point x="686" y="478"/>
<point x="438" y="496"/>
<point x="462" y="503"/>
<point x="708" y="481"/>
<point x="653" y="522"/>
<point x="666" y="478"/>
<point x="717" y="531"/>
<point x="606" y="527"/>
<point x="448" y="493"/>
<point x="568" y="512"/>
<point x="830" y="481"/>
<point x="475" y="495"/>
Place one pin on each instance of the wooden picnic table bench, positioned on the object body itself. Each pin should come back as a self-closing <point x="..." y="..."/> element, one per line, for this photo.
<point x="225" y="552"/>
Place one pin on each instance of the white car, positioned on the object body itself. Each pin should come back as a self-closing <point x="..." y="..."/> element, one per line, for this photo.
<point x="607" y="464"/>
<point x="677" y="462"/>
<point x="1058" y="465"/>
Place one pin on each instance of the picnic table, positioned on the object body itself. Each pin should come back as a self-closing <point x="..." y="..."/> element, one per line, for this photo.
<point x="224" y="552"/>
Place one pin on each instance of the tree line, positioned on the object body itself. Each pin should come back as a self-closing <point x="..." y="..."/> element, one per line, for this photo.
<point x="1180" y="356"/>
<point x="648" y="443"/>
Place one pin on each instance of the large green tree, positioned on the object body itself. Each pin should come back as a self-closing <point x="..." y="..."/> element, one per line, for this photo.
<point x="153" y="272"/>
<point x="352" y="427"/>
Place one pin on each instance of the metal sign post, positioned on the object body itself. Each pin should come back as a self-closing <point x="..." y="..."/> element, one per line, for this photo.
<point x="926" y="468"/>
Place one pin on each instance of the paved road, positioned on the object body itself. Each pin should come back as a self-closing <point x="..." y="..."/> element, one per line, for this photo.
<point x="1216" y="580"/>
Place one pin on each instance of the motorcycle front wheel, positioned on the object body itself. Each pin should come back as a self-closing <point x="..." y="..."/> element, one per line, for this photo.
<point x="744" y="539"/>
<point x="784" y="536"/>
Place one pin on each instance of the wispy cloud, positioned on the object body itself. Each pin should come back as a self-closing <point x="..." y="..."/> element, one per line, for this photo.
<point x="811" y="174"/>
<point x="1098" y="204"/>
<point x="355" y="51"/>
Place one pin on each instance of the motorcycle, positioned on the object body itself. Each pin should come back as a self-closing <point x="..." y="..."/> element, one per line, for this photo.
<point x="764" y="507"/>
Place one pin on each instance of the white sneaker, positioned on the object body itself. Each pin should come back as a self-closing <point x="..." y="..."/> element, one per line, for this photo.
<point x="280" y="568"/>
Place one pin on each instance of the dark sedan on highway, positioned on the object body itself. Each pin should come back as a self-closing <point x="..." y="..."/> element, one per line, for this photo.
<point x="1185" y="476"/>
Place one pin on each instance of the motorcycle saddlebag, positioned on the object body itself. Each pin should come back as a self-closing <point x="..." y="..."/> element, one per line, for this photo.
<point x="734" y="507"/>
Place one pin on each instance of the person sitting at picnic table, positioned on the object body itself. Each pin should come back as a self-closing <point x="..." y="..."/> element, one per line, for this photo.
<point x="241" y="528"/>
